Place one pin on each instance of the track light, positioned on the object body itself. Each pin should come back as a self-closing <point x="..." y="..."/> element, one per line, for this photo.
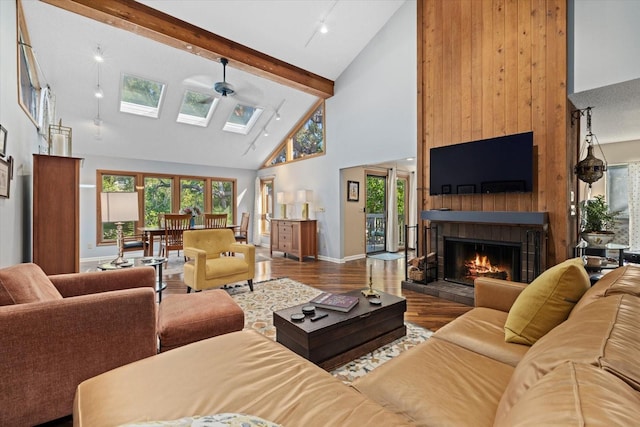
<point x="277" y="116"/>
<point x="98" y="56"/>
<point x="98" y="92"/>
<point x="323" y="28"/>
<point x="266" y="132"/>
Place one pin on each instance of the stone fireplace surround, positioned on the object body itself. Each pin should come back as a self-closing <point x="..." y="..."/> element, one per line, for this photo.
<point x="529" y="229"/>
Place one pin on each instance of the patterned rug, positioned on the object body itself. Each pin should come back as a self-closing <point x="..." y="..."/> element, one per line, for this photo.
<point x="273" y="295"/>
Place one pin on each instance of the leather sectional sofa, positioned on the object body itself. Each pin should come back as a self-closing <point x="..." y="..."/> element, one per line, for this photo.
<point x="584" y="371"/>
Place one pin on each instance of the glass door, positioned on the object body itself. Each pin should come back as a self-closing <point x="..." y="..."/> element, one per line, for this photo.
<point x="376" y="215"/>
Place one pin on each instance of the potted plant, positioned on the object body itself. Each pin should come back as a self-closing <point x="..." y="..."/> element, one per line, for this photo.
<point x="597" y="221"/>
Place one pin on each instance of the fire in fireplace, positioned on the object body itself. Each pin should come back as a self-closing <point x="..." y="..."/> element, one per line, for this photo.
<point x="466" y="260"/>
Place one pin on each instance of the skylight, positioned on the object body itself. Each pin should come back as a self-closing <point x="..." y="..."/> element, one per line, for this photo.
<point x="242" y="119"/>
<point x="197" y="108"/>
<point x="141" y="96"/>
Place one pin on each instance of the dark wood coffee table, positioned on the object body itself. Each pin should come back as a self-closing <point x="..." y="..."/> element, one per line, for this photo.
<point x="342" y="337"/>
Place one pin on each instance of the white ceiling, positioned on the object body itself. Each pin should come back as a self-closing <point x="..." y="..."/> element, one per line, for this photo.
<point x="64" y="44"/>
<point x="615" y="116"/>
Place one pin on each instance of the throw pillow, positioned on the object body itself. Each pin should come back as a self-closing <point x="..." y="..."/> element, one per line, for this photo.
<point x="546" y="302"/>
<point x="24" y="283"/>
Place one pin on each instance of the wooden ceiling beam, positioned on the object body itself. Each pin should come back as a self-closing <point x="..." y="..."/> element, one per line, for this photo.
<point x="148" y="22"/>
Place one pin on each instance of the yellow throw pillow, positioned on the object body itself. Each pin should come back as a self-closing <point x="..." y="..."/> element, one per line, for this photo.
<point x="546" y="302"/>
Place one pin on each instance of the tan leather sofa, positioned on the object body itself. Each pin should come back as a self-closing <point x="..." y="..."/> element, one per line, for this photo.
<point x="208" y="267"/>
<point x="57" y="331"/>
<point x="583" y="372"/>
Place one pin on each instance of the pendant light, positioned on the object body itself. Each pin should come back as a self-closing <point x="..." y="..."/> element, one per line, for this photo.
<point x="590" y="169"/>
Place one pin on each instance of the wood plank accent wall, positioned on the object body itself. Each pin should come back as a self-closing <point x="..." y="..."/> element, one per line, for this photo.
<point x="489" y="68"/>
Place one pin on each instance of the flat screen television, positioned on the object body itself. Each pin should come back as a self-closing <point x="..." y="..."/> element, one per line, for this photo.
<point x="496" y="165"/>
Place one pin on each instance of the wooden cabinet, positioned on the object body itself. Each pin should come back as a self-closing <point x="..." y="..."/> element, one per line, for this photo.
<point x="295" y="236"/>
<point x="56" y="213"/>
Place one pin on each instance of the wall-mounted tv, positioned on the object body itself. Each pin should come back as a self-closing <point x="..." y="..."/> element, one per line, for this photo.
<point x="496" y="165"/>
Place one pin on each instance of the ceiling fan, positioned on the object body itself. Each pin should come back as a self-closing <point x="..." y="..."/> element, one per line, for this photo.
<point x="224" y="88"/>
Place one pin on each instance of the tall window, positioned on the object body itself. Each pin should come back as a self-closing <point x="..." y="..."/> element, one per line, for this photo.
<point x="222" y="197"/>
<point x="192" y="194"/>
<point x="306" y="140"/>
<point x="165" y="194"/>
<point x="157" y="199"/>
<point x="401" y="203"/>
<point x="266" y="196"/>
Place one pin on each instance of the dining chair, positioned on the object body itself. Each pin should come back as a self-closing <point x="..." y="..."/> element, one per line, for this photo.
<point x="174" y="226"/>
<point x="242" y="234"/>
<point x="215" y="220"/>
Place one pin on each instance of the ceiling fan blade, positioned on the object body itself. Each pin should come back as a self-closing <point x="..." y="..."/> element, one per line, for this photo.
<point x="200" y="81"/>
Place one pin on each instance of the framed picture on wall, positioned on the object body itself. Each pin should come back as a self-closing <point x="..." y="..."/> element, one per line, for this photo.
<point x="3" y="141"/>
<point x="353" y="191"/>
<point x="5" y="178"/>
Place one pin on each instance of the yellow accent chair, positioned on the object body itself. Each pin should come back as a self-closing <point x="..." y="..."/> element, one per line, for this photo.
<point x="208" y="267"/>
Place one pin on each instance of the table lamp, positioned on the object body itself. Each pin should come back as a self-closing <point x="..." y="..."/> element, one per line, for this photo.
<point x="119" y="207"/>
<point x="304" y="197"/>
<point x="280" y="198"/>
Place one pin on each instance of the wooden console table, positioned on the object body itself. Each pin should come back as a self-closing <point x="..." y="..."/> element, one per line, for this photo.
<point x="295" y="236"/>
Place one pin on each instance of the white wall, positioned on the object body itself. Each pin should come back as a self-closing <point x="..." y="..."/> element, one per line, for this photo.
<point x="15" y="217"/>
<point x="606" y="48"/>
<point x="370" y="119"/>
<point x="245" y="191"/>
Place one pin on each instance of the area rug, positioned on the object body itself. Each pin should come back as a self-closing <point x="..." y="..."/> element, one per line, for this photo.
<point x="387" y="256"/>
<point x="273" y="295"/>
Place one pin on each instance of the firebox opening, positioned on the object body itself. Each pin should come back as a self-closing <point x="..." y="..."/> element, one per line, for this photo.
<point x="467" y="259"/>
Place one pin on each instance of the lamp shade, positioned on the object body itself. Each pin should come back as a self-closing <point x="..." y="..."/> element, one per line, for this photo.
<point x="304" y="196"/>
<point x="280" y="197"/>
<point x="119" y="207"/>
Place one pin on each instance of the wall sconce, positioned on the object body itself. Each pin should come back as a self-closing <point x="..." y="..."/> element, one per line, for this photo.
<point x="304" y="197"/>
<point x="119" y="207"/>
<point x="590" y="169"/>
<point x="59" y="140"/>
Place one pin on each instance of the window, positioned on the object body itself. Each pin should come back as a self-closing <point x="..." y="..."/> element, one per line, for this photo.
<point x="157" y="199"/>
<point x="165" y="194"/>
<point x="617" y="193"/>
<point x="222" y="197"/>
<point x="192" y="193"/>
<point x="307" y="139"/>
<point x="141" y="96"/>
<point x="197" y="108"/>
<point x="266" y="196"/>
<point x="242" y="119"/>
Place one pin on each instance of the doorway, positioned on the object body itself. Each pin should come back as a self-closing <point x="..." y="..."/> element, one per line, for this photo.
<point x="376" y="213"/>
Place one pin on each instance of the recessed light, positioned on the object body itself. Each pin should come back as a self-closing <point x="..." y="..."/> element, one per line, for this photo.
<point x="189" y="47"/>
<point x="409" y="159"/>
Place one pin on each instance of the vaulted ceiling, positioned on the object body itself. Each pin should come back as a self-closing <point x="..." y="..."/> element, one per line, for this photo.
<point x="283" y="30"/>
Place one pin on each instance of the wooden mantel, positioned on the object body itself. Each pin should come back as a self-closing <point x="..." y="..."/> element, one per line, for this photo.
<point x="487" y="217"/>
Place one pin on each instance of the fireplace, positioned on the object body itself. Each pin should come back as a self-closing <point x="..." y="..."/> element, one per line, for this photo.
<point x="468" y="259"/>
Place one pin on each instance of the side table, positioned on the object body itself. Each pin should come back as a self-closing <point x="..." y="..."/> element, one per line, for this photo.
<point x="155" y="262"/>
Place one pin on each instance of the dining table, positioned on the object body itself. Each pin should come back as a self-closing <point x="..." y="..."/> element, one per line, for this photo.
<point x="150" y="232"/>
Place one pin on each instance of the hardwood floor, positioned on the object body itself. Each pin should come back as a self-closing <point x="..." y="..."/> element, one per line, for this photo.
<point x="423" y="310"/>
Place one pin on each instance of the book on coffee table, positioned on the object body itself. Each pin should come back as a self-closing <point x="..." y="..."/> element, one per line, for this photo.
<point x="337" y="302"/>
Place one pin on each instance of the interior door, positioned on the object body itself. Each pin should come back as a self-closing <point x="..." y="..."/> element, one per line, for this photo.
<point x="376" y="213"/>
